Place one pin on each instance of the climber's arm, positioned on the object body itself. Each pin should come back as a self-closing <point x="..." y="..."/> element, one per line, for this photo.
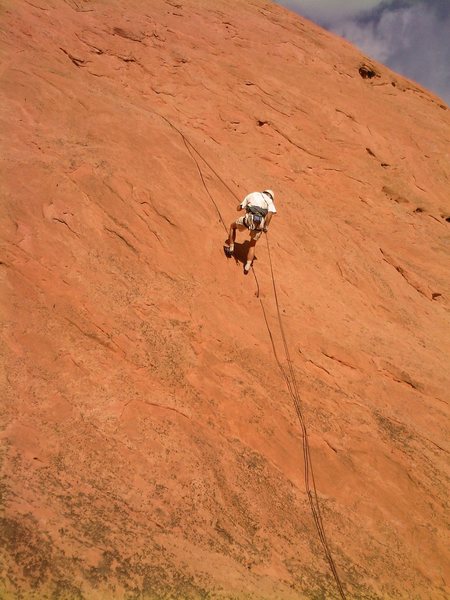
<point x="267" y="221"/>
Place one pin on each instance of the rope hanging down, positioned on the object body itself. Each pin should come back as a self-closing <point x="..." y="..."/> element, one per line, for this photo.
<point x="289" y="376"/>
<point x="189" y="146"/>
<point x="310" y="483"/>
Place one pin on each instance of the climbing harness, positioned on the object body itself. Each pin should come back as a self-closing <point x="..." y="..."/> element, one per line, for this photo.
<point x="288" y="374"/>
<point x="255" y="215"/>
<point x="253" y="220"/>
<point x="257" y="210"/>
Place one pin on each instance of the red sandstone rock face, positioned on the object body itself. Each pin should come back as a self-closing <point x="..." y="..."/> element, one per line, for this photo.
<point x="151" y="448"/>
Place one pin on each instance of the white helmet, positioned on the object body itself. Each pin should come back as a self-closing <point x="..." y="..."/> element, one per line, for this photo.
<point x="270" y="192"/>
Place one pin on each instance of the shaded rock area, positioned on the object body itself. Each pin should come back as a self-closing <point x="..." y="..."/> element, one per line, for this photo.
<point x="150" y="448"/>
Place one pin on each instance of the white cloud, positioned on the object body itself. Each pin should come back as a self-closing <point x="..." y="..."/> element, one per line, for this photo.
<point x="412" y="37"/>
<point x="317" y="10"/>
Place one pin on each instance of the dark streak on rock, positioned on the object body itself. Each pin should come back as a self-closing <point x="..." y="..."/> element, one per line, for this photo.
<point x="125" y="241"/>
<point x="78" y="62"/>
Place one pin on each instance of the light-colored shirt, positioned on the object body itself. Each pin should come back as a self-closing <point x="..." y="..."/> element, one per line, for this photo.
<point x="259" y="199"/>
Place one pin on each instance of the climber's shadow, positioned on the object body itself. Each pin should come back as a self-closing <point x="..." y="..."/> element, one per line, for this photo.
<point x="241" y="251"/>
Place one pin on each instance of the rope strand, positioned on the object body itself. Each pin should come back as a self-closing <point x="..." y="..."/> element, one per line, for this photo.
<point x="289" y="377"/>
<point x="309" y="472"/>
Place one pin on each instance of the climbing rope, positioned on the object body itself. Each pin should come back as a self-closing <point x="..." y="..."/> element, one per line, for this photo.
<point x="289" y="375"/>
<point x="310" y="483"/>
<point x="189" y="148"/>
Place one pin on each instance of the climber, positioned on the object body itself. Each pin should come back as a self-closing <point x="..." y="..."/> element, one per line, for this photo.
<point x="259" y="209"/>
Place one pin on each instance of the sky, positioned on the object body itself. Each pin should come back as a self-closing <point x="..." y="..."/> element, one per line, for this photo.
<point x="411" y="37"/>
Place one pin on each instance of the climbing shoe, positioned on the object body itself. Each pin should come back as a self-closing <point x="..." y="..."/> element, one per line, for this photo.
<point x="248" y="266"/>
<point x="228" y="249"/>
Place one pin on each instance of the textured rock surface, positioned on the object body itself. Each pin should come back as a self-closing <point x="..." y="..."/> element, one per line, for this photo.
<point x="150" y="447"/>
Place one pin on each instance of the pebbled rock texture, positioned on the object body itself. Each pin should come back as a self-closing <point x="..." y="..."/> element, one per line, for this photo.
<point x="150" y="447"/>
